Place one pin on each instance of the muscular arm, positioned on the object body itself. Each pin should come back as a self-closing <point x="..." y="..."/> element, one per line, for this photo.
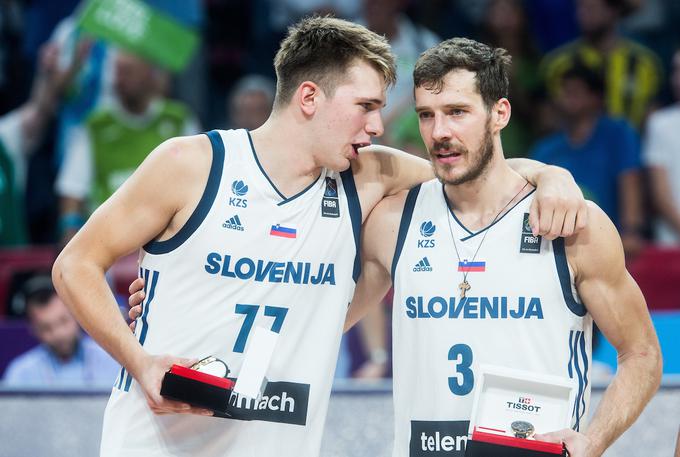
<point x="619" y="309"/>
<point x="558" y="209"/>
<point x="144" y="207"/>
<point x="379" y="237"/>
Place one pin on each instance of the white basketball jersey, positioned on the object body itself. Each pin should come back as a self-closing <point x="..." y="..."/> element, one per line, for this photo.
<point x="248" y="257"/>
<point x="520" y="312"/>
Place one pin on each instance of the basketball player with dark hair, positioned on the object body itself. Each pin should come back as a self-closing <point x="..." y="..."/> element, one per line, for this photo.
<point x="473" y="285"/>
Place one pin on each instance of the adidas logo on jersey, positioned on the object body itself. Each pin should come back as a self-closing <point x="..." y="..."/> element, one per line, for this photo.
<point x="233" y="223"/>
<point x="422" y="265"/>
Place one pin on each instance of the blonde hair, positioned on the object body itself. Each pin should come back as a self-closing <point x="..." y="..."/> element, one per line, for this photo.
<point x="321" y="49"/>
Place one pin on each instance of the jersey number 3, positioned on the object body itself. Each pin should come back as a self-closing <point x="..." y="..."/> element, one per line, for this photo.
<point x="250" y="311"/>
<point x="464" y="380"/>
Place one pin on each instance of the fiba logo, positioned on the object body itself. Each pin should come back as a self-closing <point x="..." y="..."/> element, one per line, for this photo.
<point x="330" y="203"/>
<point x="427" y="229"/>
<point x="529" y="243"/>
<point x="239" y="188"/>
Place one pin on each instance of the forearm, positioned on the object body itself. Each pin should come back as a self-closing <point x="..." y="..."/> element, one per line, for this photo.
<point x="529" y="169"/>
<point x="395" y="169"/>
<point x="636" y="381"/>
<point x="372" y="287"/>
<point x="373" y="333"/>
<point x="535" y="171"/>
<point x="83" y="288"/>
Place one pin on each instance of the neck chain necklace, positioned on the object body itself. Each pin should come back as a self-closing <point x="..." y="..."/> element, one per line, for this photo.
<point x="464" y="286"/>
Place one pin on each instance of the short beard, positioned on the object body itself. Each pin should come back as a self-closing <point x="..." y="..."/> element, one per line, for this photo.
<point x="483" y="158"/>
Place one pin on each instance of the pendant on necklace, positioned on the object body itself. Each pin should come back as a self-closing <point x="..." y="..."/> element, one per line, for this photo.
<point x="464" y="287"/>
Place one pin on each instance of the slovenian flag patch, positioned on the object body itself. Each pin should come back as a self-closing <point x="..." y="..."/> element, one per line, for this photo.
<point x="285" y="232"/>
<point x="471" y="266"/>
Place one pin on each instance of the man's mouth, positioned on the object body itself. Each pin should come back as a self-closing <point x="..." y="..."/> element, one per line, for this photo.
<point x="357" y="146"/>
<point x="447" y="156"/>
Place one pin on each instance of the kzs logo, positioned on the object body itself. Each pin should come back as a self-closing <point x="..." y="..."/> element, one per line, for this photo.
<point x="239" y="188"/>
<point x="427" y="229"/>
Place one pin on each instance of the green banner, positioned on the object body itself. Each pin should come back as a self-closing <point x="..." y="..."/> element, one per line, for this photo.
<point x="134" y="25"/>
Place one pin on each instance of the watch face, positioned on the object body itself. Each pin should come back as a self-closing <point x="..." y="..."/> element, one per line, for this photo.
<point x="212" y="366"/>
<point x="522" y="429"/>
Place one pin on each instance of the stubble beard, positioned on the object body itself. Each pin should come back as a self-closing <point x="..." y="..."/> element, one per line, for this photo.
<point x="481" y="158"/>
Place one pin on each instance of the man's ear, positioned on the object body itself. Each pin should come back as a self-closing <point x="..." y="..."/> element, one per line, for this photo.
<point x="501" y="113"/>
<point x="308" y="96"/>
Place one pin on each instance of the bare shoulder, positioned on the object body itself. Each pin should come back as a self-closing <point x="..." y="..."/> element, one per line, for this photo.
<point x="179" y="165"/>
<point x="187" y="153"/>
<point x="596" y="250"/>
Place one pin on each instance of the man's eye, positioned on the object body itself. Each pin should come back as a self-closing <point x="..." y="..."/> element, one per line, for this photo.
<point x="424" y="115"/>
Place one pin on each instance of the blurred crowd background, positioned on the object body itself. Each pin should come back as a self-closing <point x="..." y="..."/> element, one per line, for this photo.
<point x="595" y="88"/>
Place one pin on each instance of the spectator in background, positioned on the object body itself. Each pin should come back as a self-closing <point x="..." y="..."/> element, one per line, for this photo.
<point x="505" y="26"/>
<point x="408" y="40"/>
<point x="601" y="152"/>
<point x="250" y="102"/>
<point x="662" y="156"/>
<point x="21" y="131"/>
<point x="64" y="357"/>
<point x="116" y="139"/>
<point x="92" y="86"/>
<point x="12" y="64"/>
<point x="631" y="72"/>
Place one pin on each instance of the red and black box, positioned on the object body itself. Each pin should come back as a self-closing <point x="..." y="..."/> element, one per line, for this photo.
<point x="198" y="389"/>
<point x="484" y="444"/>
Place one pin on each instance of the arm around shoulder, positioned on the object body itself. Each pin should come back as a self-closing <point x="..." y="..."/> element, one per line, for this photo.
<point x="394" y="169"/>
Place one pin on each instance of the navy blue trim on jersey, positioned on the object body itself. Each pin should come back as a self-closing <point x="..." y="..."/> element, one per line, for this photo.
<point x="455" y="218"/>
<point x="355" y="215"/>
<point x="584" y="357"/>
<point x="143" y="324"/>
<point x="257" y="161"/>
<point x="482" y="230"/>
<point x="123" y="372"/>
<point x="565" y="278"/>
<point x="288" y="200"/>
<point x="577" y="351"/>
<point x="271" y="183"/>
<point x="406" y="217"/>
<point x="147" y="305"/>
<point x="118" y="381"/>
<point x="204" y="205"/>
